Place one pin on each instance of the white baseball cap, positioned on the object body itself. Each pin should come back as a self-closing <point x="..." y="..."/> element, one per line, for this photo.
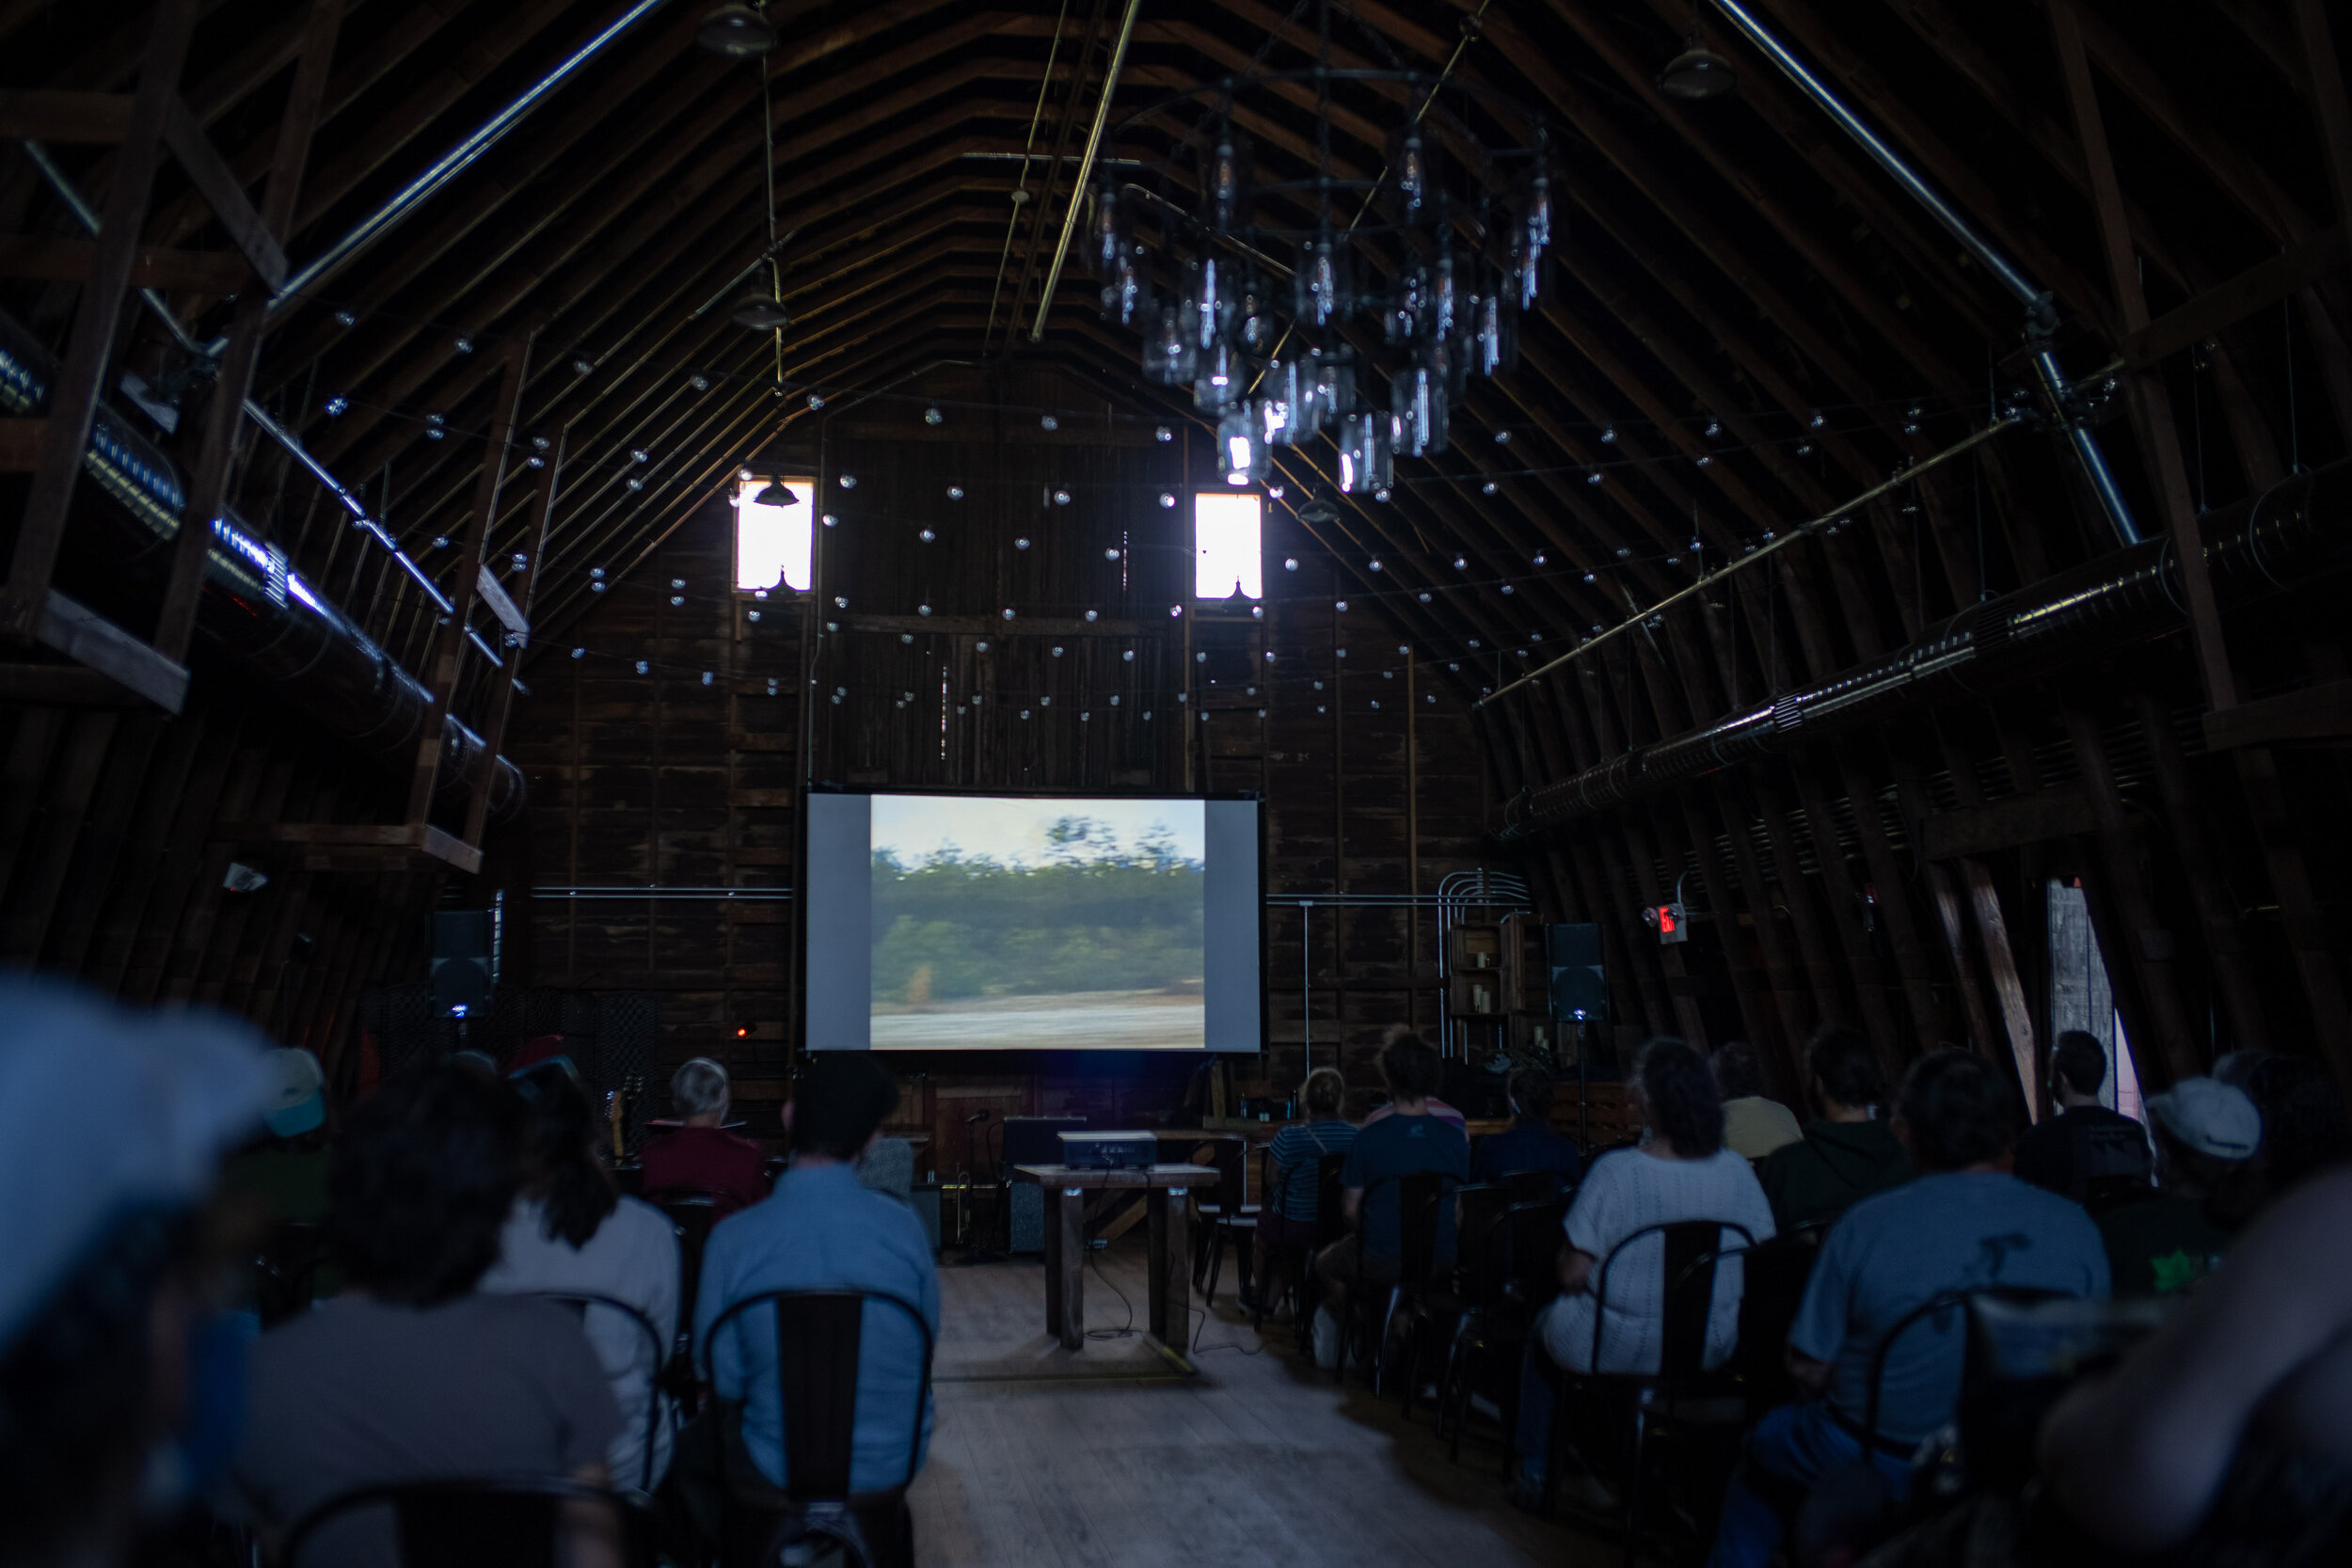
<point x="299" y="1103"/>
<point x="103" y="1112"/>
<point x="2209" y="1116"/>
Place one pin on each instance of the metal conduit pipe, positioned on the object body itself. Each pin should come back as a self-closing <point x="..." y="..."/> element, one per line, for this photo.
<point x="2040" y="313"/>
<point x="2255" y="550"/>
<point x="254" y="607"/>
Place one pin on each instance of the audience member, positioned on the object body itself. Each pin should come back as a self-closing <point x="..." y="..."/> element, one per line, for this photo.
<point x="1290" y="1219"/>
<point x="2085" y="1142"/>
<point x="1529" y="1143"/>
<point x="2208" y="1135"/>
<point x="1681" y="1170"/>
<point x="1431" y="1104"/>
<point x="411" y="1374"/>
<point x="570" y="1232"/>
<point x="818" y="1231"/>
<point x="118" y="1385"/>
<point x="287" y="1169"/>
<point x="1754" y="1125"/>
<point x="2303" y="1120"/>
<point x="1963" y="1224"/>
<point x="2226" y="1436"/>
<point x="1409" y="1140"/>
<point x="1847" y="1152"/>
<point x="701" y="1155"/>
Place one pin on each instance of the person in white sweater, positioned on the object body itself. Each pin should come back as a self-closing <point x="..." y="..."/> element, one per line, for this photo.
<point x="570" y="1232"/>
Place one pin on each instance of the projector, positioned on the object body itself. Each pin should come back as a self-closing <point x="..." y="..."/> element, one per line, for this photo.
<point x="1109" y="1151"/>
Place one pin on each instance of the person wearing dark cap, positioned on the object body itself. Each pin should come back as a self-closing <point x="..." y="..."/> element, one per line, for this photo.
<point x="118" y="1388"/>
<point x="2208" y="1135"/>
<point x="820" y="1230"/>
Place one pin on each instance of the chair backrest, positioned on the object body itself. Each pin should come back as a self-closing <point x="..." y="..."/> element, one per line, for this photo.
<point x="656" y="1353"/>
<point x="1688" y="1257"/>
<point x="819" y="1352"/>
<point x="507" y="1522"/>
<point x="1330" y="1223"/>
<point x="1773" y="1274"/>
<point x="1478" y="1211"/>
<point x="1533" y="1186"/>
<point x="1420" y="1197"/>
<point x="1531" y="1239"/>
<point x="693" y="1213"/>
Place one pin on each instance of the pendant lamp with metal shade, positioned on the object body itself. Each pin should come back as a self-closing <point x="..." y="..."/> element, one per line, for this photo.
<point x="775" y="493"/>
<point x="1698" y="72"/>
<point x="738" y="32"/>
<point x="760" y="310"/>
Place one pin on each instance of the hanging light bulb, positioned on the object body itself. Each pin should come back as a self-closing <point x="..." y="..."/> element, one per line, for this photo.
<point x="932" y="416"/>
<point x="955" y="492"/>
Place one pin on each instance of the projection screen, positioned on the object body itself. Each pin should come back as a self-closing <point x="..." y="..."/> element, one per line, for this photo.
<point x="1003" y="922"/>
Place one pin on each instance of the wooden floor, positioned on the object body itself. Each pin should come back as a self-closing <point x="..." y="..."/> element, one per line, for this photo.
<point x="1257" y="1460"/>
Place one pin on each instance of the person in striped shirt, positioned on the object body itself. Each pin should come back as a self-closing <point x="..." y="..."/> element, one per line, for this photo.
<point x="1289" y="1220"/>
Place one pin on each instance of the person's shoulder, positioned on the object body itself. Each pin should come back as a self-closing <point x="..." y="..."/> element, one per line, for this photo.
<point x="635" y="1218"/>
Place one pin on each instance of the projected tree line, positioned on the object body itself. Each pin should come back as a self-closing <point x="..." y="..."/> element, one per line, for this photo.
<point x="1081" y="912"/>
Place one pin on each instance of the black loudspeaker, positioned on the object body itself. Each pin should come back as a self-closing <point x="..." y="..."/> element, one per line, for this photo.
<point x="1579" y="985"/>
<point x="461" y="959"/>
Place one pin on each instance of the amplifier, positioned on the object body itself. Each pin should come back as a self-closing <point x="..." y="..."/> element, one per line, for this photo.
<point x="1109" y="1151"/>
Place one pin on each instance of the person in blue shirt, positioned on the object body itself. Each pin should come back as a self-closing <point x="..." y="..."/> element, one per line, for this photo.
<point x="1407" y="1141"/>
<point x="1528" y="1144"/>
<point x="1965" y="1222"/>
<point x="819" y="1230"/>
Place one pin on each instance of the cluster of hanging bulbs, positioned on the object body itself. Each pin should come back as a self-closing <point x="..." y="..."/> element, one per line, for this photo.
<point x="1452" y="313"/>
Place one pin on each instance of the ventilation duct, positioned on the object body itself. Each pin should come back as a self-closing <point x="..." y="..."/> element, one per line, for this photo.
<point x="255" y="610"/>
<point x="2254" y="551"/>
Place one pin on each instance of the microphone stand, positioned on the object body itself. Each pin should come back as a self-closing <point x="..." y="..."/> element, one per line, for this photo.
<point x="971" y="1183"/>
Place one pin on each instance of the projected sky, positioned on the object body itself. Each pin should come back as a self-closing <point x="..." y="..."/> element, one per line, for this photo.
<point x="912" y="827"/>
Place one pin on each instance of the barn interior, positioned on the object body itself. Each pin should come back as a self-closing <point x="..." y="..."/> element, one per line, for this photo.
<point x="1829" y="525"/>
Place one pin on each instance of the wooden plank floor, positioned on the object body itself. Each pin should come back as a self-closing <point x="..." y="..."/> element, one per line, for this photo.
<point x="1258" y="1460"/>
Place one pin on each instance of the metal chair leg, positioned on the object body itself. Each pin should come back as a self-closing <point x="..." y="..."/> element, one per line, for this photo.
<point x="1216" y="1262"/>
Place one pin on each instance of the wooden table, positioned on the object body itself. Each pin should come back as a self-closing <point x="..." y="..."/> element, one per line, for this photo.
<point x="1165" y="1187"/>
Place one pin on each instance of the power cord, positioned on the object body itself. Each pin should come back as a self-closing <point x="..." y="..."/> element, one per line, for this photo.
<point x="1124" y="1331"/>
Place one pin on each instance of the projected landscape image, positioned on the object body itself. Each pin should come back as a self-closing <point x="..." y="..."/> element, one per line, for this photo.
<point x="1017" y="925"/>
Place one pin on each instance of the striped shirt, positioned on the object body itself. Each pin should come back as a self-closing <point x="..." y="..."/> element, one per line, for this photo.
<point x="1295" y="1150"/>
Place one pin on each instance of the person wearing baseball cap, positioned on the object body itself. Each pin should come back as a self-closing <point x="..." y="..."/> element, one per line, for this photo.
<point x="286" y="1170"/>
<point x="118" y="1389"/>
<point x="2208" y="1135"/>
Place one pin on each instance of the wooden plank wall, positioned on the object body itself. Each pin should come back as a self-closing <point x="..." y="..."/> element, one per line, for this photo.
<point x="1374" y="784"/>
<point x="111" y="868"/>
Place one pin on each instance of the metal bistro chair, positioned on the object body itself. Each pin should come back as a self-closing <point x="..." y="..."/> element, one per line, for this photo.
<point x="1418" y="1196"/>
<point x="1330" y="1224"/>
<point x="485" y="1522"/>
<point x="1690" y="1253"/>
<point x="1534" y="1186"/>
<point x="1508" y="1277"/>
<point x="693" y="1213"/>
<point x="658" y="1354"/>
<point x="1230" y="1214"/>
<point x="819" y="1345"/>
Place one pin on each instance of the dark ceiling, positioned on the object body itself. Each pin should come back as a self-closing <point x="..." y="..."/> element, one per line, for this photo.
<point x="1734" y="263"/>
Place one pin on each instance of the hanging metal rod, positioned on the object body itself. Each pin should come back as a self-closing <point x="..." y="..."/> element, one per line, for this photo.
<point x="2040" y="313"/>
<point x="1720" y="573"/>
<point x="1085" y="167"/>
<point x="450" y="164"/>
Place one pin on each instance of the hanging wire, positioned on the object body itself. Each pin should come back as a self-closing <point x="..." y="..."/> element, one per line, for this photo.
<point x="768" y="170"/>
<point x="1022" y="186"/>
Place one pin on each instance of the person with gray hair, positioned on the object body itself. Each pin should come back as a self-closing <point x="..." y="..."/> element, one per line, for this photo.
<point x="701" y="1155"/>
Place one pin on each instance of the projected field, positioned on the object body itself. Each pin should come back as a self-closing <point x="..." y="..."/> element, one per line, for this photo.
<point x="1018" y="924"/>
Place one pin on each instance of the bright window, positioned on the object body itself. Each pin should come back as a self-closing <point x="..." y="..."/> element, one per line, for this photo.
<point x="773" y="543"/>
<point x="1225" y="558"/>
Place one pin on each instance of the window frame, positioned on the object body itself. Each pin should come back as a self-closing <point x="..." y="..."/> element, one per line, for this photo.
<point x="738" y="498"/>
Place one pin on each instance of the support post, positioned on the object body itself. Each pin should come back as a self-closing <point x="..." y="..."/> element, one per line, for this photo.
<point x="449" y="644"/>
<point x="225" y="412"/>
